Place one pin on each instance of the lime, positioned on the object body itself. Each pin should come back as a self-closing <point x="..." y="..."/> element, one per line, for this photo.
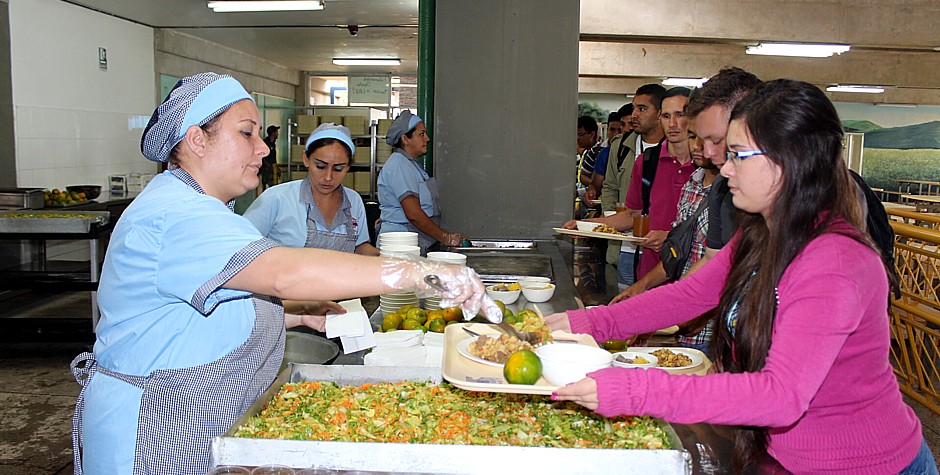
<point x="437" y="325"/>
<point x="615" y="345"/>
<point x="418" y="314"/>
<point x="410" y="324"/>
<point x="501" y="305"/>
<point x="522" y="367"/>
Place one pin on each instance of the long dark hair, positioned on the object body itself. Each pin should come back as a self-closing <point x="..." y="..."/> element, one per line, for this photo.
<point x="798" y="128"/>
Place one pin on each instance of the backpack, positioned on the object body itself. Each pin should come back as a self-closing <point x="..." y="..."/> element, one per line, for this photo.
<point x="879" y="229"/>
<point x="650" y="164"/>
<point x="677" y="248"/>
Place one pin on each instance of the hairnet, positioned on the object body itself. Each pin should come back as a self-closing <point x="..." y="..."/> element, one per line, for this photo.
<point x="194" y="100"/>
<point x="330" y="130"/>
<point x="406" y="122"/>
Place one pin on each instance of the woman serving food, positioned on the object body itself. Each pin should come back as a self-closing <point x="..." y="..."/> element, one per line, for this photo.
<point x="802" y="335"/>
<point x="408" y="196"/>
<point x="192" y="330"/>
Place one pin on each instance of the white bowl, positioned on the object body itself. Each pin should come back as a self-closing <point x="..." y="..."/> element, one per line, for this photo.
<point x="564" y="363"/>
<point x="651" y="361"/>
<point x="537" y="292"/>
<point x="586" y="225"/>
<point x="449" y="257"/>
<point x="505" y="296"/>
<point x="534" y="280"/>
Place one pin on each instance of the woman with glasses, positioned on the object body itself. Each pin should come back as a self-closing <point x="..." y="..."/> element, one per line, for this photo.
<point x="802" y="340"/>
<point x="408" y="196"/>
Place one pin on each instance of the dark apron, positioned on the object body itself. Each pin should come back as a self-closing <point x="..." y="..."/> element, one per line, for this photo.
<point x="182" y="409"/>
<point x="329" y="240"/>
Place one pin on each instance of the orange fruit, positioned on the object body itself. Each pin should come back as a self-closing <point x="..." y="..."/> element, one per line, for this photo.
<point x="522" y="367"/>
<point x="437" y="325"/>
<point x="452" y="314"/>
<point x="433" y="314"/>
<point x="418" y="314"/>
<point x="410" y="324"/>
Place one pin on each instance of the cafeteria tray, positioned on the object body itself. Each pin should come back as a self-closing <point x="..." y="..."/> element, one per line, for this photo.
<point x="426" y="458"/>
<point x="51" y="221"/>
<point x="473" y="376"/>
<point x="595" y="234"/>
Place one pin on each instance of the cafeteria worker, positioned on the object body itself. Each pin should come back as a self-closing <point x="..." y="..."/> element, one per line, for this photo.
<point x="317" y="211"/>
<point x="408" y="197"/>
<point x="192" y="329"/>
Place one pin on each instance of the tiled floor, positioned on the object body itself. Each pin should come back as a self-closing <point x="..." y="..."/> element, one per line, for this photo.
<point x="37" y="395"/>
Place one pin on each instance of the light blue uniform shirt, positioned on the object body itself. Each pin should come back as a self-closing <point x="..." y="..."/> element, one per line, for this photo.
<point x="163" y="305"/>
<point x="401" y="177"/>
<point x="280" y="214"/>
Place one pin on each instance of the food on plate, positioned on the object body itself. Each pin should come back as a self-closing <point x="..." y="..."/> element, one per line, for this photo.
<point x="636" y="360"/>
<point x="522" y="367"/>
<point x="497" y="349"/>
<point x="671" y="359"/>
<point x="423" y="413"/>
<point x="526" y="320"/>
<point x="603" y="228"/>
<point x="507" y="287"/>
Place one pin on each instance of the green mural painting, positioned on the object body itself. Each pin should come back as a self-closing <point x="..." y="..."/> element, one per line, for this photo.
<point x="901" y="143"/>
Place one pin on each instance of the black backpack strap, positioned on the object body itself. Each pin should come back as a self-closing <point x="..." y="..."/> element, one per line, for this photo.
<point x="623" y="149"/>
<point x="650" y="163"/>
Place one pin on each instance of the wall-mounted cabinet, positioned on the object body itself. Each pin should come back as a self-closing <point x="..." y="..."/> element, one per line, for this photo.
<point x="363" y="123"/>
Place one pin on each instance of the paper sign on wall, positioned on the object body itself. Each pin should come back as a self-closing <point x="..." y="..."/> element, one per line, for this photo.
<point x="369" y="89"/>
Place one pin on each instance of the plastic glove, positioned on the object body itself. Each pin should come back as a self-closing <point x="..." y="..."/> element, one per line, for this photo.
<point x="461" y="285"/>
<point x="452" y="239"/>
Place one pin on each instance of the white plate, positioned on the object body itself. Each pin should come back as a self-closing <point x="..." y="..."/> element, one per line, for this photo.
<point x="695" y="356"/>
<point x="463" y="348"/>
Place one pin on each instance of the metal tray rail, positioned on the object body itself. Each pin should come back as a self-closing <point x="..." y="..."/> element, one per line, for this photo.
<point x="427" y="458"/>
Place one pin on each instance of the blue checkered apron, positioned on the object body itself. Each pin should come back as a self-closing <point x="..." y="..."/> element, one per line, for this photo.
<point x="183" y="409"/>
<point x="325" y="239"/>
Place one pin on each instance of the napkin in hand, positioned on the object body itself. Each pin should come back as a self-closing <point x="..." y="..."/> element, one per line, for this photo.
<point x="352" y="328"/>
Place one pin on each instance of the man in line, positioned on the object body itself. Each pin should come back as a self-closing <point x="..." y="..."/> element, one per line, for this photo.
<point x="270" y="161"/>
<point x="695" y="333"/>
<point x="674" y="166"/>
<point x="588" y="140"/>
<point x="647" y="133"/>
<point x="615" y="128"/>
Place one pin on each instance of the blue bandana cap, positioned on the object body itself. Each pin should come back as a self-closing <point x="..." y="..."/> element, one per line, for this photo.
<point x="330" y="130"/>
<point x="194" y="100"/>
<point x="406" y="122"/>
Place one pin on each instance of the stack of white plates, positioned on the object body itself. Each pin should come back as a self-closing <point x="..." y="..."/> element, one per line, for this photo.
<point x="394" y="245"/>
<point x="434" y="303"/>
<point x="399" y="238"/>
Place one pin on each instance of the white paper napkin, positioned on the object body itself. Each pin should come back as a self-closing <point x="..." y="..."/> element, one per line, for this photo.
<point x="352" y="328"/>
<point x="398" y="339"/>
<point x="411" y="356"/>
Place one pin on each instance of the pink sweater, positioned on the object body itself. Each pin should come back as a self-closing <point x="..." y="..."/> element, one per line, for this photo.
<point x="827" y="391"/>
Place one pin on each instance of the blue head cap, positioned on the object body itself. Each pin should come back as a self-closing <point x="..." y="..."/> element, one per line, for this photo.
<point x="330" y="130"/>
<point x="194" y="100"/>
<point x="406" y="122"/>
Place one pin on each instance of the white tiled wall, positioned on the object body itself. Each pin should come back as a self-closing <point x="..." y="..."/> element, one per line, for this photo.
<point x="75" y="123"/>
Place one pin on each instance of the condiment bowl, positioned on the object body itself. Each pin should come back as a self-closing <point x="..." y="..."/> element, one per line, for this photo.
<point x="564" y="363"/>
<point x="651" y="361"/>
<point x="538" y="292"/>
<point x="586" y="225"/>
<point x="505" y="296"/>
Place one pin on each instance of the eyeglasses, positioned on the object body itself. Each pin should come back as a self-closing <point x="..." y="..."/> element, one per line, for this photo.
<point x="736" y="157"/>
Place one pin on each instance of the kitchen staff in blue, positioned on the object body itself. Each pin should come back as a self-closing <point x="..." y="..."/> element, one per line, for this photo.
<point x="408" y="197"/>
<point x="192" y="330"/>
<point x="317" y="211"/>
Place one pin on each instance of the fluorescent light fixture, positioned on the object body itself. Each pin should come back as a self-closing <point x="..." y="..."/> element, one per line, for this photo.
<point x="797" y="49"/>
<point x="367" y="61"/>
<point x="853" y="88"/>
<point x="265" y="6"/>
<point x="889" y="104"/>
<point x="686" y="82"/>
